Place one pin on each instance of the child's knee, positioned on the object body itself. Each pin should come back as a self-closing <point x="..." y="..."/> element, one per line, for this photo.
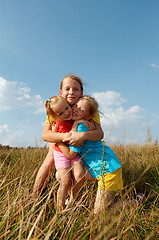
<point x="58" y="178"/>
<point x="64" y="178"/>
<point x="65" y="182"/>
<point x="78" y="172"/>
<point x="78" y="176"/>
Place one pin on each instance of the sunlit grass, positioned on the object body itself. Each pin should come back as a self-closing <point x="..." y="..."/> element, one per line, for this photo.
<point x="22" y="218"/>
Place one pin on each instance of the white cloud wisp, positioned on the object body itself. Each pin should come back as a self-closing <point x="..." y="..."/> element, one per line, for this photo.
<point x="17" y="95"/>
<point x="115" y="116"/>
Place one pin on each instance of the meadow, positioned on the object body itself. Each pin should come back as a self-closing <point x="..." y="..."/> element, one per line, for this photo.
<point x="23" y="218"/>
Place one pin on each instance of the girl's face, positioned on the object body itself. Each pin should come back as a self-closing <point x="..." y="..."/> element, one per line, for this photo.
<point x="63" y="111"/>
<point x="71" y="90"/>
<point x="81" y="110"/>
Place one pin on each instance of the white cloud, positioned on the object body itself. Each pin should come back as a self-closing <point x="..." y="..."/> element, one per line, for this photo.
<point x="120" y="115"/>
<point x="4" y="128"/>
<point x="154" y="65"/>
<point x="109" y="98"/>
<point x="18" y="95"/>
<point x="9" y="137"/>
<point x="19" y="123"/>
<point x="123" y="120"/>
<point x="113" y="113"/>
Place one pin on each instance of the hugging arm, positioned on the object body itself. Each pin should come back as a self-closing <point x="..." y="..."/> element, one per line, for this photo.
<point x="50" y="135"/>
<point x="96" y="134"/>
<point x="67" y="151"/>
<point x="77" y="138"/>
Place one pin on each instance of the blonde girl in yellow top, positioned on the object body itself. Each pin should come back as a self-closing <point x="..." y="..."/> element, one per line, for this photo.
<point x="71" y="88"/>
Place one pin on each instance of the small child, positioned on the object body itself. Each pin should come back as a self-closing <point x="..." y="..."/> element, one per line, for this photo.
<point x="58" y="109"/>
<point x="100" y="161"/>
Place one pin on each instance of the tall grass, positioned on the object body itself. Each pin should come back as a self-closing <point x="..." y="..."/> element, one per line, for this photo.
<point x="23" y="218"/>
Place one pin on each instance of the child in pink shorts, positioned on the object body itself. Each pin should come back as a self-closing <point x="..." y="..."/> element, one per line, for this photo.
<point x="61" y="161"/>
<point x="59" y="110"/>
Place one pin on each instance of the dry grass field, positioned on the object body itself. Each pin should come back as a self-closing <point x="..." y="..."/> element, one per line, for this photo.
<point x="23" y="218"/>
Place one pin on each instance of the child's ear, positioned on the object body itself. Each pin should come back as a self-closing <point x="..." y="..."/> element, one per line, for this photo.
<point x="60" y="92"/>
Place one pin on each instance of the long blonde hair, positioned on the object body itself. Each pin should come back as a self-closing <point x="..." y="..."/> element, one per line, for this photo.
<point x="50" y="104"/>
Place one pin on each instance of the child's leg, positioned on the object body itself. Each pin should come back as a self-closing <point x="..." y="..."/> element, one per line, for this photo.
<point x="103" y="199"/>
<point x="65" y="182"/>
<point x="44" y="171"/>
<point x="87" y="175"/>
<point x="77" y="176"/>
<point x="108" y="185"/>
<point x="58" y="178"/>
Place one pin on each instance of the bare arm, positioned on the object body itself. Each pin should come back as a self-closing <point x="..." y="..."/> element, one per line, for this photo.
<point x="77" y="138"/>
<point x="96" y="134"/>
<point x="67" y="151"/>
<point x="50" y="135"/>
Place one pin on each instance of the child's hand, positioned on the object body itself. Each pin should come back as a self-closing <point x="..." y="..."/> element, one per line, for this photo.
<point x="76" y="139"/>
<point x="89" y="124"/>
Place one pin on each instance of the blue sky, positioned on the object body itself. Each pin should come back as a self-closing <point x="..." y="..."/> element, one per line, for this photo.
<point x="112" y="45"/>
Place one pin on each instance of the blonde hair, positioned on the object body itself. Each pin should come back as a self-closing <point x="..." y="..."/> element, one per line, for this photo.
<point x="49" y="104"/>
<point x="92" y="103"/>
<point x="73" y="77"/>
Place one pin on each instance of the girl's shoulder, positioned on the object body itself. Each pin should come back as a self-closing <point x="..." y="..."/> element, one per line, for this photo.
<point x="82" y="128"/>
<point x="64" y="127"/>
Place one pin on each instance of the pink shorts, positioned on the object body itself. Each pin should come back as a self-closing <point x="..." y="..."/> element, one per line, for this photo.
<point x="61" y="161"/>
